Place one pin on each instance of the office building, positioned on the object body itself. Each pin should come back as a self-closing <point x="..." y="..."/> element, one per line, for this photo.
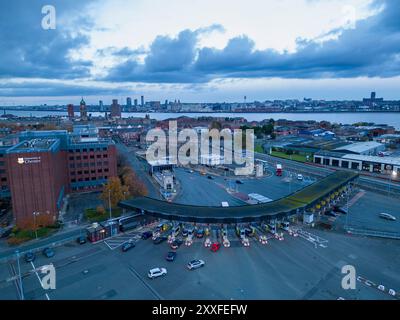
<point x="44" y="166"/>
<point x="115" y="109"/>
<point x="83" y="110"/>
<point x="71" y="113"/>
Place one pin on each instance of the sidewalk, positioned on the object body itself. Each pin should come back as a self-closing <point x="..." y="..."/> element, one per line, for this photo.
<point x="57" y="239"/>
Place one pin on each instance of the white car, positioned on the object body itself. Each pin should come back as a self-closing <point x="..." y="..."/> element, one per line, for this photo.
<point x="195" y="264"/>
<point x="157" y="272"/>
<point x="300" y="177"/>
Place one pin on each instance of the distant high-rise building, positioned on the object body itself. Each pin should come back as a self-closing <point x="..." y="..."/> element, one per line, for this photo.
<point x="101" y="106"/>
<point x="83" y="110"/>
<point x="128" y="102"/>
<point x="135" y="103"/>
<point x="373" y="96"/>
<point x="115" y="109"/>
<point x="142" y="101"/>
<point x="71" y="113"/>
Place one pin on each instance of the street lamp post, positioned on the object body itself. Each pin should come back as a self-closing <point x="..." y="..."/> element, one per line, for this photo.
<point x="19" y="276"/>
<point x="393" y="175"/>
<point x="109" y="203"/>
<point x="34" y="222"/>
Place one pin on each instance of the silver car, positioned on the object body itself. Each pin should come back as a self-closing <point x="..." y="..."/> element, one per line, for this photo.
<point x="157" y="272"/>
<point x="195" y="264"/>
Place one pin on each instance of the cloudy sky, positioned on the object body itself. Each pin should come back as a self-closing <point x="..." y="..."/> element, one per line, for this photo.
<point x="199" y="50"/>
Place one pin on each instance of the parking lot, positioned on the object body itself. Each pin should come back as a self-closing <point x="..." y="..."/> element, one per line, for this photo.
<point x="293" y="268"/>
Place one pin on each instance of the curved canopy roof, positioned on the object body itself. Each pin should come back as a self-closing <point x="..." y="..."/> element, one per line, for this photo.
<point x="287" y="206"/>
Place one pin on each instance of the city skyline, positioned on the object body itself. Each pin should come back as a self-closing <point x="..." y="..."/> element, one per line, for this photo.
<point x="330" y="50"/>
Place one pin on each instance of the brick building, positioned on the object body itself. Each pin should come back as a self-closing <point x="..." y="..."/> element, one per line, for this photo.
<point x="46" y="165"/>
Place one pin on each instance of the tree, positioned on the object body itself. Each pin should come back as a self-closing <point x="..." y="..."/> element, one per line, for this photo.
<point x="114" y="192"/>
<point x="135" y="186"/>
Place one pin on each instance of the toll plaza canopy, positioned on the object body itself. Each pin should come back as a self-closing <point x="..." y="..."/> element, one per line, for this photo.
<point x="294" y="203"/>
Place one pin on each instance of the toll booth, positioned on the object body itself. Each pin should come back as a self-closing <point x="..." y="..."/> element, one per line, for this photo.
<point x="111" y="228"/>
<point x="96" y="232"/>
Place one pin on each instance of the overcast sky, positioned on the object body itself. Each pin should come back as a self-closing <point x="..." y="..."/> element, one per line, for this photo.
<point x="199" y="51"/>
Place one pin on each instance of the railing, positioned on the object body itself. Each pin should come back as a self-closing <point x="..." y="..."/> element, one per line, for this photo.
<point x="372" y="233"/>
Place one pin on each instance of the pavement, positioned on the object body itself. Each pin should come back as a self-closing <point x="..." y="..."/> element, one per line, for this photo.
<point x="290" y="269"/>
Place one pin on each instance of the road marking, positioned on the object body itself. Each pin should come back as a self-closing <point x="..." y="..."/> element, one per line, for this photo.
<point x="40" y="280"/>
<point x="357" y="197"/>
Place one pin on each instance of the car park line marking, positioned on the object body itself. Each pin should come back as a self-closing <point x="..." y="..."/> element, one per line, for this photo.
<point x="140" y="278"/>
<point x="40" y="280"/>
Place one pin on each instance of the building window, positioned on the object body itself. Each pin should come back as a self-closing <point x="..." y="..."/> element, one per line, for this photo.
<point x="98" y="156"/>
<point x="73" y="180"/>
<point x="100" y="170"/>
<point x="99" y="164"/>
<point x="73" y="173"/>
<point x="85" y="157"/>
<point x="72" y="166"/>
<point x="106" y="170"/>
<point x="93" y="171"/>
<point x="78" y="158"/>
<point x="3" y="179"/>
<point x="79" y="172"/>
<point x="92" y="157"/>
<point x="105" y="155"/>
<point x="84" y="150"/>
<point x="86" y="179"/>
<point x="71" y="158"/>
<point x="86" y="171"/>
<point x="94" y="178"/>
<point x="92" y="164"/>
<point x="91" y="150"/>
<point x="105" y="149"/>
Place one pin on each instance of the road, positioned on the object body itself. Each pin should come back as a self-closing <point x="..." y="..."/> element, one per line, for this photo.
<point x="289" y="269"/>
<point x="140" y="168"/>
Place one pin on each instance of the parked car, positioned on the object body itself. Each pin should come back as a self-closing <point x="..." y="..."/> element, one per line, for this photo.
<point x="81" y="240"/>
<point x="215" y="247"/>
<point x="195" y="264"/>
<point x="330" y="213"/>
<point x="300" y="177"/>
<point x="146" y="235"/>
<point x="30" y="257"/>
<point x="339" y="209"/>
<point x="239" y="182"/>
<point x="210" y="177"/>
<point x="48" y="252"/>
<point x="159" y="240"/>
<point x="157" y="272"/>
<point x="170" y="256"/>
<point x="128" y="246"/>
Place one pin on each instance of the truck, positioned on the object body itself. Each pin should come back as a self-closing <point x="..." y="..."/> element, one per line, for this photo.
<point x="279" y="170"/>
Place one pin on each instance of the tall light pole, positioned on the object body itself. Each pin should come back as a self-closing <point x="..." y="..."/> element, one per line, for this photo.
<point x="34" y="222"/>
<point x="393" y="175"/>
<point x="109" y="202"/>
<point x="21" y="289"/>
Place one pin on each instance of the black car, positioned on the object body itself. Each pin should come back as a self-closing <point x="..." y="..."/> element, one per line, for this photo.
<point x="210" y="177"/>
<point x="48" y="252"/>
<point x="128" y="246"/>
<point x="146" y="235"/>
<point x="239" y="182"/>
<point x="170" y="256"/>
<point x="81" y="240"/>
<point x="185" y="233"/>
<point x="340" y="210"/>
<point x="29" y="257"/>
<point x="330" y="214"/>
<point x="176" y="244"/>
<point x="159" y="240"/>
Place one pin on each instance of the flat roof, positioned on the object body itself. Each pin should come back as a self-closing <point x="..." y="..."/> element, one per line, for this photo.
<point x="360" y="147"/>
<point x="287" y="206"/>
<point x="35" y="145"/>
<point x="384" y="160"/>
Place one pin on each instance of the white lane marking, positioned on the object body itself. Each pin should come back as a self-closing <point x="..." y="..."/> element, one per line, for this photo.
<point x="40" y="280"/>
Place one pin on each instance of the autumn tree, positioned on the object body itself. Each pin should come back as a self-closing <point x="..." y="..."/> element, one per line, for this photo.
<point x="114" y="192"/>
<point x="135" y="186"/>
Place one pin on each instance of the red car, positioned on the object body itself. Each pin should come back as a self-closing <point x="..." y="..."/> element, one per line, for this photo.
<point x="215" y="247"/>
